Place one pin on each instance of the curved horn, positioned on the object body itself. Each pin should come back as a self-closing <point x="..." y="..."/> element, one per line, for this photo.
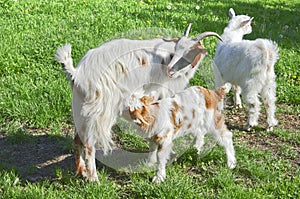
<point x="208" y="34"/>
<point x="187" y="30"/>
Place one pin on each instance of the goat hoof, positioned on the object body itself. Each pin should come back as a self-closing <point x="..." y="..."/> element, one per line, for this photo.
<point x="158" y="179"/>
<point x="231" y="164"/>
<point x="247" y="127"/>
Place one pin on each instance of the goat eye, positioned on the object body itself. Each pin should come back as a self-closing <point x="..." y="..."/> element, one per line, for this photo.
<point x="171" y="56"/>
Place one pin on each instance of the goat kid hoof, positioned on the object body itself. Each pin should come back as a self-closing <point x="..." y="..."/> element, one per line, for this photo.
<point x="270" y="128"/>
<point x="238" y="106"/>
<point x="231" y="164"/>
<point x="158" y="179"/>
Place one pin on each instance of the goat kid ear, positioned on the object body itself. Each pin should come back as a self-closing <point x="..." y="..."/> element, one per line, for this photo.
<point x="231" y="13"/>
<point x="244" y="23"/>
<point x="187" y="30"/>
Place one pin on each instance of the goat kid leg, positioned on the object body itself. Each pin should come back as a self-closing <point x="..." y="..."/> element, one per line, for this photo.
<point x="199" y="141"/>
<point x="237" y="96"/>
<point x="269" y="97"/>
<point x="225" y="140"/>
<point x="152" y="157"/>
<point x="163" y="154"/>
<point x="254" y="110"/>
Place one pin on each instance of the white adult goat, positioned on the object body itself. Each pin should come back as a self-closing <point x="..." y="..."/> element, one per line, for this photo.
<point x="249" y="65"/>
<point x="105" y="77"/>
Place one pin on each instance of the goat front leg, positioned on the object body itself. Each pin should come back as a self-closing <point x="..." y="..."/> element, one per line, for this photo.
<point x="90" y="163"/>
<point x="163" y="154"/>
<point x="225" y="139"/>
<point x="152" y="157"/>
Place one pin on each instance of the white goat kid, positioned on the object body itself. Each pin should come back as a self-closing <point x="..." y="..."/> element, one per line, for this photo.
<point x="193" y="110"/>
<point x="104" y="79"/>
<point x="249" y="66"/>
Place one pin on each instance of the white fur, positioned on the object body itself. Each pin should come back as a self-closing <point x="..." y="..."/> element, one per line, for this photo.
<point x="191" y="115"/>
<point x="249" y="66"/>
<point x="103" y="80"/>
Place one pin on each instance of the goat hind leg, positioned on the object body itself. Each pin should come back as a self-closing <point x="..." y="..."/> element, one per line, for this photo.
<point x="79" y="156"/>
<point x="269" y="97"/>
<point x="254" y="110"/>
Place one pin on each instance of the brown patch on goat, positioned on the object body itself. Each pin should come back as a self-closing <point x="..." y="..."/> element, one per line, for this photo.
<point x="143" y="62"/>
<point x="189" y="126"/>
<point x="197" y="58"/>
<point x="156" y="138"/>
<point x="194" y="113"/>
<point x="219" y="120"/>
<point x="174" y="111"/>
<point x="201" y="51"/>
<point x="211" y="97"/>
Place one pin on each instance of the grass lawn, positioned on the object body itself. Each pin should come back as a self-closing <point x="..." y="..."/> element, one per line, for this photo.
<point x="36" y="128"/>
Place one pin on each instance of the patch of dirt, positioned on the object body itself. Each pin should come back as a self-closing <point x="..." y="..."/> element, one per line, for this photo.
<point x="41" y="156"/>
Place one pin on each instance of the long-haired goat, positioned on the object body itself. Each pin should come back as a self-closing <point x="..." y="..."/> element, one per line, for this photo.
<point x="193" y="110"/>
<point x="106" y="76"/>
<point x="249" y="66"/>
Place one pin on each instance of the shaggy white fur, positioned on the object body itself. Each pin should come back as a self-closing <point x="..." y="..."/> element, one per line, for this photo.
<point x="249" y="66"/>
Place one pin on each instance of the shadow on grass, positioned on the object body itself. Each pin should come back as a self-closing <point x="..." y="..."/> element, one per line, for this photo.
<point x="36" y="157"/>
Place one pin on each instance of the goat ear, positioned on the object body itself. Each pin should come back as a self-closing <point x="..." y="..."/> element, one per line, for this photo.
<point x="171" y="40"/>
<point x="187" y="30"/>
<point x="231" y="13"/>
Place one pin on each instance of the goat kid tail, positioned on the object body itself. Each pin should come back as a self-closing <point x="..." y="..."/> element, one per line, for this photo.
<point x="63" y="56"/>
<point x="270" y="52"/>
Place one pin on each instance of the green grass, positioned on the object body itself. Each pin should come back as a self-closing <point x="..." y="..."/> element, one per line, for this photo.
<point x="34" y="94"/>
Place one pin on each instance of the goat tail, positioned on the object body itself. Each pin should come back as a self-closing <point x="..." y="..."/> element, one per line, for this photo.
<point x="63" y="56"/>
<point x="270" y="52"/>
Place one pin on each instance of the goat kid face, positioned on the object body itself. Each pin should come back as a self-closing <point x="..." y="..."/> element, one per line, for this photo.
<point x="140" y="110"/>
<point x="188" y="53"/>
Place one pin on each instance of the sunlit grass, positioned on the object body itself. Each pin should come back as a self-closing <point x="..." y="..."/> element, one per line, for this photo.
<point x="34" y="93"/>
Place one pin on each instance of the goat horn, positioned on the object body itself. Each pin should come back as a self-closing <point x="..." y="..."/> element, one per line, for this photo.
<point x="208" y="34"/>
<point x="187" y="30"/>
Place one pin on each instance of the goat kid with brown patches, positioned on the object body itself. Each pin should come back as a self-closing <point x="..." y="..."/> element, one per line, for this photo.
<point x="193" y="110"/>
